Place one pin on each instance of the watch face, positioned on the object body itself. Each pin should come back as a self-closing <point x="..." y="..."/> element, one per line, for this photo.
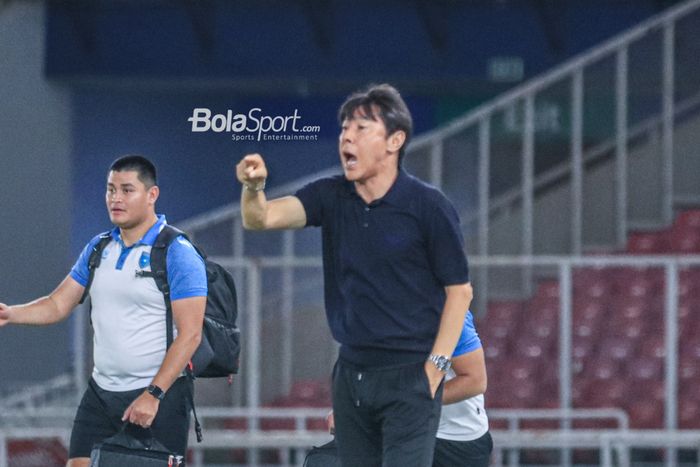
<point x="441" y="362"/>
<point x="156" y="392"/>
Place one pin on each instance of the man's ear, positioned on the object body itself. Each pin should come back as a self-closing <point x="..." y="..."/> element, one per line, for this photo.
<point x="153" y="194"/>
<point x="396" y="140"/>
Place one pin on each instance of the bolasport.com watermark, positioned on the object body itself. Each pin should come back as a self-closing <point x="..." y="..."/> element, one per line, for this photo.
<point x="254" y="125"/>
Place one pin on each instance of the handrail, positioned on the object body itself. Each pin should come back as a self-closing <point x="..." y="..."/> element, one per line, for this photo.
<point x="593" y="154"/>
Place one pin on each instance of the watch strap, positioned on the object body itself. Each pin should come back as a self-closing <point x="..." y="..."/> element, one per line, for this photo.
<point x="156" y="392"/>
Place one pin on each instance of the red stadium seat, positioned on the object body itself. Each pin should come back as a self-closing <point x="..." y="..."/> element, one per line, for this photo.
<point x="548" y="290"/>
<point x="526" y="394"/>
<point x="689" y="414"/>
<point x="504" y="311"/>
<point x="689" y="317"/>
<point x="689" y="220"/>
<point x="494" y="348"/>
<point x="689" y="373"/>
<point x="616" y="349"/>
<point x="605" y="393"/>
<point x="583" y="348"/>
<point x="311" y="392"/>
<point x="584" y="330"/>
<point x="647" y="243"/>
<point x="645" y="414"/>
<point x="542" y="330"/>
<point x="654" y="346"/>
<point x="589" y="310"/>
<point x="501" y="319"/>
<point x="592" y="283"/>
<point x="650" y="310"/>
<point x="623" y="327"/>
<point x="533" y="347"/>
<point x="688" y="280"/>
<point x="685" y="242"/>
<point x="690" y="348"/>
<point x="542" y="309"/>
<point x="638" y="283"/>
<point x="645" y="370"/>
<point x="603" y="369"/>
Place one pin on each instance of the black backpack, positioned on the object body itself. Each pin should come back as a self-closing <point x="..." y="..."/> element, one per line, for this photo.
<point x="218" y="353"/>
<point x="323" y="456"/>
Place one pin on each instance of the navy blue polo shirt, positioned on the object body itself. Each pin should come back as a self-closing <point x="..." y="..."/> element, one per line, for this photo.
<point x="385" y="266"/>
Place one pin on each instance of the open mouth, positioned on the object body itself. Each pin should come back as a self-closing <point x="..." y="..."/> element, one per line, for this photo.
<point x="350" y="160"/>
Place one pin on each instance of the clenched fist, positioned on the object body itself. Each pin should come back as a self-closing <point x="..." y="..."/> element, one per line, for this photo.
<point x="251" y="172"/>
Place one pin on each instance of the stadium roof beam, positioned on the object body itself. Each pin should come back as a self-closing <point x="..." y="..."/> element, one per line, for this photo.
<point x="551" y="15"/>
<point x="434" y="15"/>
<point x="320" y="14"/>
<point x="201" y="15"/>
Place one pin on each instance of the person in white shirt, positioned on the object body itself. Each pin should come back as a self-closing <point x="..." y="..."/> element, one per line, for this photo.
<point x="463" y="438"/>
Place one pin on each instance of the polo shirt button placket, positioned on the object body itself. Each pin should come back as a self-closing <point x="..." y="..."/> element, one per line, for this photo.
<point x="366" y="224"/>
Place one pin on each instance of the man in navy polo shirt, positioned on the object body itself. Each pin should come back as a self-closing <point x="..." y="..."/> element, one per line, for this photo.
<point x="134" y="378"/>
<point x="395" y="276"/>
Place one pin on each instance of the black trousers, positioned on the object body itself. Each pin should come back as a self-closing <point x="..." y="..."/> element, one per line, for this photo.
<point x="385" y="417"/>
<point x="476" y="453"/>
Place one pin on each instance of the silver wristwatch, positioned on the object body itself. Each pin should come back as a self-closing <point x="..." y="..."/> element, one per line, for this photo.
<point x="442" y="362"/>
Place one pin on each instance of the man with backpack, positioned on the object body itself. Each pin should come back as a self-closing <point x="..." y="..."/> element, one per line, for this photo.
<point x="139" y="373"/>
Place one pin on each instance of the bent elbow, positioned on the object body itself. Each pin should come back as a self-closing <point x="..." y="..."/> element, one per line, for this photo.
<point x="192" y="339"/>
<point x="197" y="339"/>
<point x="465" y="292"/>
<point x="468" y="291"/>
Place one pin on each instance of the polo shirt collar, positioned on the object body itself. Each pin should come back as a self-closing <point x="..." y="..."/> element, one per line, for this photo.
<point x="149" y="237"/>
<point x="399" y="193"/>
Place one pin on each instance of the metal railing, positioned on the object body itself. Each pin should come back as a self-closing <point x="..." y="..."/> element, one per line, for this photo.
<point x="613" y="444"/>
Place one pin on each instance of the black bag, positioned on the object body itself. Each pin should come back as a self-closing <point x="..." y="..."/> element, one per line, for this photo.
<point x="323" y="456"/>
<point x="219" y="352"/>
<point x="125" y="449"/>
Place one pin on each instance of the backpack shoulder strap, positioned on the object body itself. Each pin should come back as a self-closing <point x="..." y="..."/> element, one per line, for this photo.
<point x="159" y="272"/>
<point x="94" y="261"/>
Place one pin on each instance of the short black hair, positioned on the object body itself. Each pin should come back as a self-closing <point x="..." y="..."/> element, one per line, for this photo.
<point x="143" y="167"/>
<point x="393" y="111"/>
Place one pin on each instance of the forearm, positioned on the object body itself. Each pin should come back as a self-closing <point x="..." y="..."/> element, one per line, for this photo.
<point x="39" y="312"/>
<point x="455" y="309"/>
<point x="176" y="359"/>
<point x="253" y="209"/>
<point x="460" y="388"/>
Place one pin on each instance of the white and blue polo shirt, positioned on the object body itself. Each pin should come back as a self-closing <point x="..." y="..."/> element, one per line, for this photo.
<point x="128" y="311"/>
<point x="465" y="420"/>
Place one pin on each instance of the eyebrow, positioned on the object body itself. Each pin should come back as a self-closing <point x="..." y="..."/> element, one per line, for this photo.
<point x="122" y="185"/>
<point x="360" y="117"/>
